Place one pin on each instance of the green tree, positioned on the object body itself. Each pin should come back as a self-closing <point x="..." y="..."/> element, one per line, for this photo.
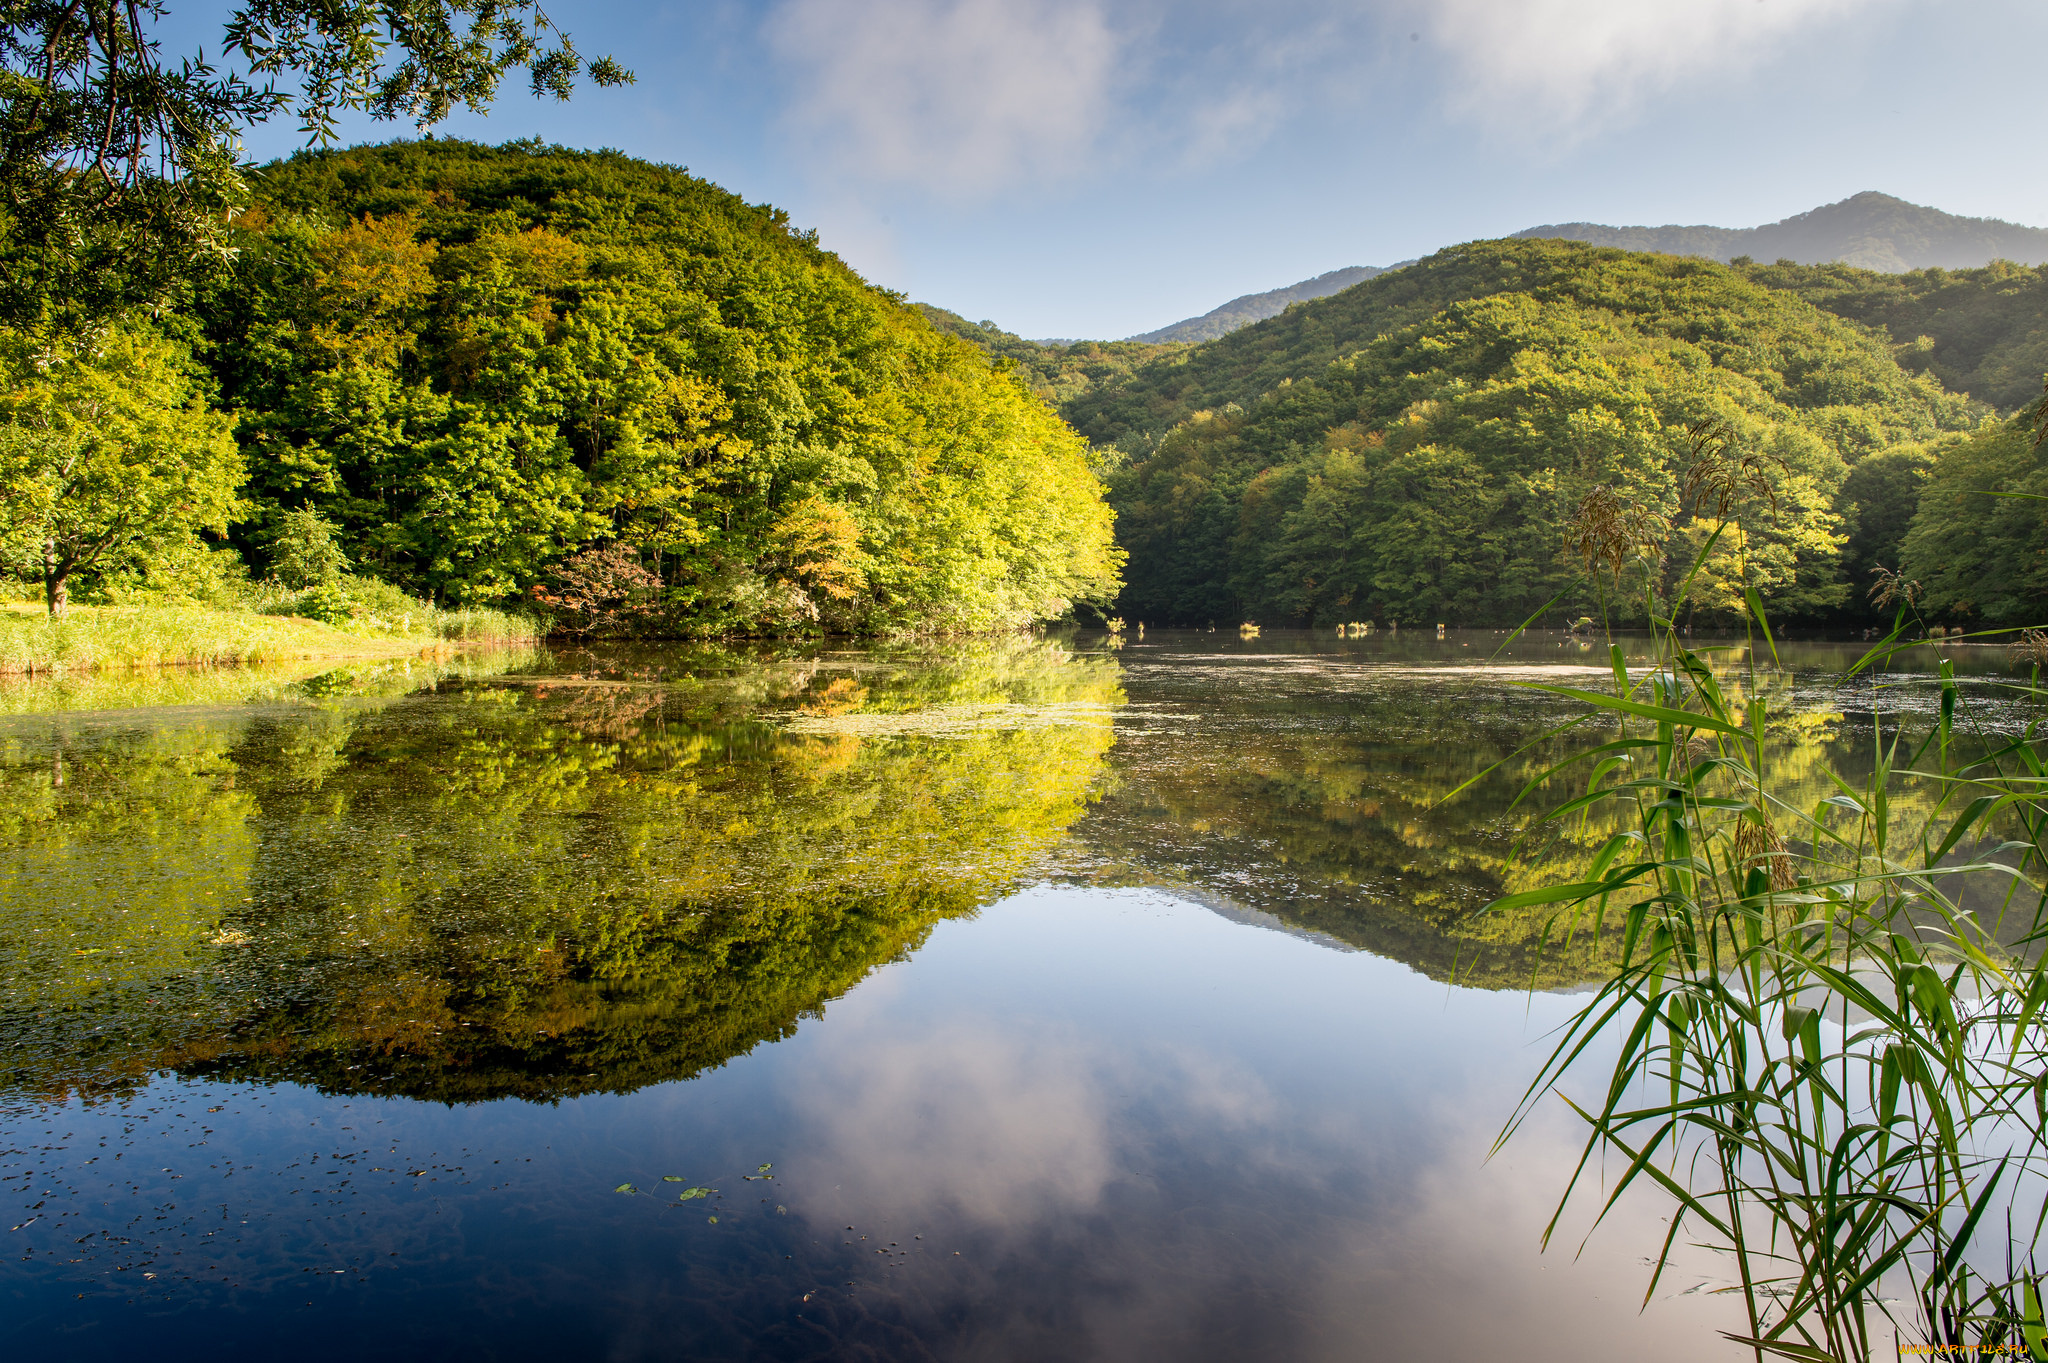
<point x="107" y="457"/>
<point x="118" y="171"/>
<point x="303" y="552"/>
<point x="484" y="363"/>
<point x="1978" y="545"/>
<point x="1878" y="501"/>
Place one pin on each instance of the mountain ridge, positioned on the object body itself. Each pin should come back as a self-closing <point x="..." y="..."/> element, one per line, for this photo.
<point x="1870" y="230"/>
<point x="1257" y="307"/>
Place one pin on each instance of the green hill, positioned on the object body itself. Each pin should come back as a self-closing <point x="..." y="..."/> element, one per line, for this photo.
<point x="1983" y="332"/>
<point x="1871" y="231"/>
<point x="1414" y="449"/>
<point x="1057" y="372"/>
<point x="520" y="369"/>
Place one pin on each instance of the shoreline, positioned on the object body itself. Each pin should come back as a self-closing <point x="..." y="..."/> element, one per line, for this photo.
<point x="402" y="648"/>
<point x="113" y="639"/>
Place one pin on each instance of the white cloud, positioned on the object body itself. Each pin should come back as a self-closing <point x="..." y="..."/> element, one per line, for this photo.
<point x="960" y="98"/>
<point x="1545" y="63"/>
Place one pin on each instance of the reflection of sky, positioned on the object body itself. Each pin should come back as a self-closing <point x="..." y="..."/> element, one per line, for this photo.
<point x="1208" y="1140"/>
<point x="1085" y="1123"/>
<point x="1123" y="1127"/>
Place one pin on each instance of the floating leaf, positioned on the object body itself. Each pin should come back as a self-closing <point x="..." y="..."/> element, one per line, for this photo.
<point x="671" y="1178"/>
<point x="764" y="1168"/>
<point x="626" y="1188"/>
<point x="712" y="1219"/>
<point x="690" y="1194"/>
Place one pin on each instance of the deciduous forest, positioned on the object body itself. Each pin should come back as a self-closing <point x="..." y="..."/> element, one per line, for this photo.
<point x="595" y="386"/>
<point x="613" y="394"/>
<point x="1422" y="447"/>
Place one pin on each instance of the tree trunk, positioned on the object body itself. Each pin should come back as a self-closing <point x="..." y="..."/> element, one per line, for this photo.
<point x="56" y="581"/>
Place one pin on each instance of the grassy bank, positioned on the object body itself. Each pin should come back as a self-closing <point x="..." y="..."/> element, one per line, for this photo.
<point x="299" y="679"/>
<point x="171" y="636"/>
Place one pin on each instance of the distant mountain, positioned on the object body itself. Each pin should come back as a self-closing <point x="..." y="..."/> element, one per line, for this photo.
<point x="1256" y="307"/>
<point x="1871" y="230"/>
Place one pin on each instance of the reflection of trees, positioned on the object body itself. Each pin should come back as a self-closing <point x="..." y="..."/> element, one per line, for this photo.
<point x="74" y="923"/>
<point x="258" y="683"/>
<point x="1342" y="827"/>
<point x="583" y="882"/>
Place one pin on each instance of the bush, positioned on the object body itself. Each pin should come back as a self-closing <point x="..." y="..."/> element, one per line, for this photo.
<point x="303" y="551"/>
<point x="374" y="608"/>
<point x="183" y="574"/>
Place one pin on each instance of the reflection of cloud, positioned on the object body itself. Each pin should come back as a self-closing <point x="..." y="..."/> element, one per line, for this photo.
<point x="1163" y="1191"/>
<point x="1004" y="1128"/>
<point x="1564" y="61"/>
<point x="961" y="97"/>
<point x="990" y="1128"/>
<point x="1150" y="1201"/>
<point x="1475" y="1221"/>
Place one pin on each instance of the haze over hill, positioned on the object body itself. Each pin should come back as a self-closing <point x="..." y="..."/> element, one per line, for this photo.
<point x="1257" y="307"/>
<point x="1870" y="230"/>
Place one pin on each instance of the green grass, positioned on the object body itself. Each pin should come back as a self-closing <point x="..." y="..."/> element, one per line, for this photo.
<point x="106" y="637"/>
<point x="296" y="680"/>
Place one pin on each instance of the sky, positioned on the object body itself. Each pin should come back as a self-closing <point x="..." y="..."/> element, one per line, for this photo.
<point x="1098" y="168"/>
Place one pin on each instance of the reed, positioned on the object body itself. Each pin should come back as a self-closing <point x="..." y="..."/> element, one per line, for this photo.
<point x="1827" y="1029"/>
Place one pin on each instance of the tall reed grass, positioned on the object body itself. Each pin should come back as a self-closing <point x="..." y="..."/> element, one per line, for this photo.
<point x="1828" y="1040"/>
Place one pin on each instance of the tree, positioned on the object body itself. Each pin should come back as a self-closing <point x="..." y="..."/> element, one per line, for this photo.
<point x="107" y="458"/>
<point x="492" y="368"/>
<point x="303" y="553"/>
<point x="119" y="174"/>
<point x="1978" y="546"/>
<point x="1880" y="497"/>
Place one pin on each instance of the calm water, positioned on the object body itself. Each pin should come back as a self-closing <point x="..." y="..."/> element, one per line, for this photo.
<point x="985" y="1002"/>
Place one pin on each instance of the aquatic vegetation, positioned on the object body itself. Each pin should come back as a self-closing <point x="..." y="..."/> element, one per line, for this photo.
<point x="1827" y="1014"/>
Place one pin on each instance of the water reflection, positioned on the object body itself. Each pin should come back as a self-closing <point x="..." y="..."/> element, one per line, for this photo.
<point x="1382" y="794"/>
<point x="1057" y="1108"/>
<point x="598" y="872"/>
<point x="549" y="884"/>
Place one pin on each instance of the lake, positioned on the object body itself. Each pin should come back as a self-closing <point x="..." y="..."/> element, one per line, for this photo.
<point x="1051" y="998"/>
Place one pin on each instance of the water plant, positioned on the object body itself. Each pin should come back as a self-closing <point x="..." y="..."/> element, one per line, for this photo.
<point x="1825" y="1041"/>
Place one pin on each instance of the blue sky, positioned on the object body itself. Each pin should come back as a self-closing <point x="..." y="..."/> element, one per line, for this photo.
<point x="1103" y="167"/>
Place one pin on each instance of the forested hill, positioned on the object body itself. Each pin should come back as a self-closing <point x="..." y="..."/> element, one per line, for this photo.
<point x="1983" y="332"/>
<point x="1680" y="298"/>
<point x="522" y="368"/>
<point x="1416" y="448"/>
<point x="1869" y="230"/>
